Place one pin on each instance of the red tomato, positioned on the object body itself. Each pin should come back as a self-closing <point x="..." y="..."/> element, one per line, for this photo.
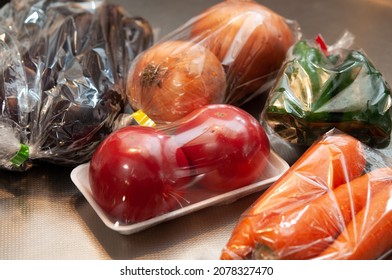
<point x="225" y="144"/>
<point x="138" y="173"/>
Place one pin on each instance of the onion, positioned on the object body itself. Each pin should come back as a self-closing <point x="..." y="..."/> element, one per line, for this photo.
<point x="173" y="78"/>
<point x="250" y="40"/>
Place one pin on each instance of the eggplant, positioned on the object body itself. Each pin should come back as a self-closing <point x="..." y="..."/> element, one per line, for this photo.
<point x="62" y="76"/>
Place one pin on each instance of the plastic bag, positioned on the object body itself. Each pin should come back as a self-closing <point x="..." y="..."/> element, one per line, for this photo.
<point x="62" y="77"/>
<point x="141" y="175"/>
<point x="321" y="87"/>
<point x="333" y="203"/>
<point x="229" y="53"/>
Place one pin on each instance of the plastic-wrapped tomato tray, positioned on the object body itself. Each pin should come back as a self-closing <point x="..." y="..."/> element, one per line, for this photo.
<point x="275" y="168"/>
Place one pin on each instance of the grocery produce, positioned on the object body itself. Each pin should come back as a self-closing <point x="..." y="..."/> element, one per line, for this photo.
<point x="137" y="173"/>
<point x="318" y="89"/>
<point x="367" y="236"/>
<point x="62" y="71"/>
<point x="173" y="78"/>
<point x="332" y="161"/>
<point x="250" y="40"/>
<point x="140" y="172"/>
<point x="314" y="226"/>
<point x="225" y="145"/>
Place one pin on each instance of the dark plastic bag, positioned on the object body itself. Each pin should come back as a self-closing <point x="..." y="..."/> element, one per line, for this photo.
<point x="62" y="77"/>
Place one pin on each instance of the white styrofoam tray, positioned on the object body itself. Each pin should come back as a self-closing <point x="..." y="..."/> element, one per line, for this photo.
<point x="275" y="168"/>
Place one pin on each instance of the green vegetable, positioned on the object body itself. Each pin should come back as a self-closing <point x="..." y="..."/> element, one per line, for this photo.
<point x="315" y="92"/>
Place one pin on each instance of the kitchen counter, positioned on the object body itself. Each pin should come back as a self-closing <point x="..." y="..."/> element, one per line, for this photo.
<point x="44" y="216"/>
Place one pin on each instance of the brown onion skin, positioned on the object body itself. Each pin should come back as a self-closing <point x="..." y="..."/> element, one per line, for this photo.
<point x="250" y="40"/>
<point x="173" y="78"/>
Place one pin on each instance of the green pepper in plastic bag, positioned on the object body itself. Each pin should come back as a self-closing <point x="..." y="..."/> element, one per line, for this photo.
<point x="317" y="90"/>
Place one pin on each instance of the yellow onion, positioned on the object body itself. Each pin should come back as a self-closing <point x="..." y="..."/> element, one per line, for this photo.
<point x="173" y="78"/>
<point x="250" y="40"/>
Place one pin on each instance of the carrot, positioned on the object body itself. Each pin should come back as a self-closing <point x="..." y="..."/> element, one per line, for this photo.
<point x="332" y="161"/>
<point x="368" y="235"/>
<point x="304" y="232"/>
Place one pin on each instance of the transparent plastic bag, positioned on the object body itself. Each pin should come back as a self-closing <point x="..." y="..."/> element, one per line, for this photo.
<point x="333" y="203"/>
<point x="229" y="54"/>
<point x="142" y="175"/>
<point x="62" y="77"/>
<point x="322" y="87"/>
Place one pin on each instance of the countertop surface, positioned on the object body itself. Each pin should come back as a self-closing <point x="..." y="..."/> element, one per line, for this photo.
<point x="44" y="216"/>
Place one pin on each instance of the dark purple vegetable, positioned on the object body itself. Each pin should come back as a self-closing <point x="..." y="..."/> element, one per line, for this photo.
<point x="62" y="76"/>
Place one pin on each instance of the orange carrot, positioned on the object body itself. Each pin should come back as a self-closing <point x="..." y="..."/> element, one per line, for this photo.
<point x="332" y="161"/>
<point x="368" y="235"/>
<point x="304" y="232"/>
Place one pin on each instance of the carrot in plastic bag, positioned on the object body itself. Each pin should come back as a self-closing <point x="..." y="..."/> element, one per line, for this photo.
<point x="368" y="235"/>
<point x="305" y="231"/>
<point x="334" y="160"/>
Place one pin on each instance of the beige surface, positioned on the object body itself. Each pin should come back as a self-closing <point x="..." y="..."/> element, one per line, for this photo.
<point x="43" y="215"/>
<point x="47" y="218"/>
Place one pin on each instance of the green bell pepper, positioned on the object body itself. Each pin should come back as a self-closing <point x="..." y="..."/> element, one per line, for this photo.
<point x="315" y="92"/>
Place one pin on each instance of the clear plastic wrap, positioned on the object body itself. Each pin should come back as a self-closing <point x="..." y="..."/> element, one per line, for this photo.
<point x="321" y="87"/>
<point x="333" y="203"/>
<point x="228" y="54"/>
<point x="141" y="175"/>
<point x="62" y="77"/>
